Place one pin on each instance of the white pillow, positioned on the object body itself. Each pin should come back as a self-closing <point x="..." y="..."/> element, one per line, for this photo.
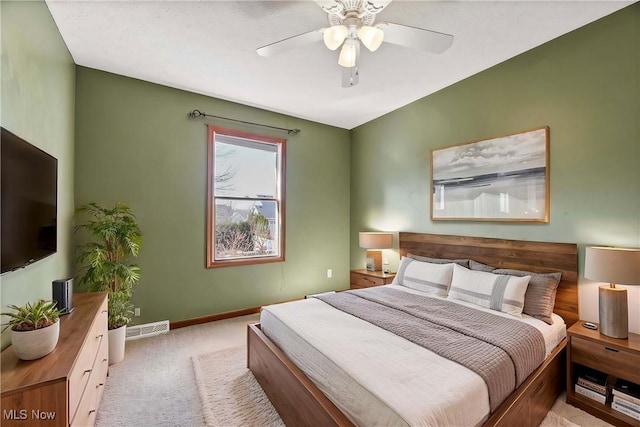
<point x="424" y="276"/>
<point x="495" y="291"/>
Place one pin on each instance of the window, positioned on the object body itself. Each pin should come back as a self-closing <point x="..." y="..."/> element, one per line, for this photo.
<point x="245" y="198"/>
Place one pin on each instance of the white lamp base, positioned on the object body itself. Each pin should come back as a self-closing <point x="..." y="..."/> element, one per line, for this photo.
<point x="614" y="314"/>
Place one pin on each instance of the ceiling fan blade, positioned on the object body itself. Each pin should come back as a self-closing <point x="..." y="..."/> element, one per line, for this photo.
<point x="290" y="43"/>
<point x="416" y="38"/>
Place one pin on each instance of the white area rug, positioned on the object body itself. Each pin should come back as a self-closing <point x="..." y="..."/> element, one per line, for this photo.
<point x="229" y="393"/>
<point x="554" y="420"/>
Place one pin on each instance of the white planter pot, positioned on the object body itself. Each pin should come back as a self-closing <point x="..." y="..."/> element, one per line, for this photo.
<point x="31" y="345"/>
<point x="116" y="344"/>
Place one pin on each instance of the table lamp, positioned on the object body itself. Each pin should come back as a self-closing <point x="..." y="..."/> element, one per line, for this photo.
<point x="613" y="265"/>
<point x="375" y="240"/>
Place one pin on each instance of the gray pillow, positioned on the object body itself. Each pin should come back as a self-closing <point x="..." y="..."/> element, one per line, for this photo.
<point x="475" y="265"/>
<point x="541" y="293"/>
<point x="462" y="262"/>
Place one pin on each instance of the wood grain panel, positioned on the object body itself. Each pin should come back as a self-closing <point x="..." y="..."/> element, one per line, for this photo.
<point x="365" y="279"/>
<point x="618" y="360"/>
<point x="613" y="356"/>
<point x="539" y="257"/>
<point x="36" y="407"/>
<point x="529" y="404"/>
<point x="298" y="401"/>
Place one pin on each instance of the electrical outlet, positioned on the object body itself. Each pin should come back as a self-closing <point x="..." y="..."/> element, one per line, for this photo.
<point x="329" y="273"/>
<point x="136" y="311"/>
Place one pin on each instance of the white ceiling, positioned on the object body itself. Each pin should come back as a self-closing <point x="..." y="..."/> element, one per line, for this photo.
<point x="208" y="47"/>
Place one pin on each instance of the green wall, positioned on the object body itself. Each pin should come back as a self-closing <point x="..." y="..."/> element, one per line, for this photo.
<point x="135" y="144"/>
<point x="584" y="85"/>
<point x="38" y="86"/>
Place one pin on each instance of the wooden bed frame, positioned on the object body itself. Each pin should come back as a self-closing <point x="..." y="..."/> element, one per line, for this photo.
<point x="300" y="403"/>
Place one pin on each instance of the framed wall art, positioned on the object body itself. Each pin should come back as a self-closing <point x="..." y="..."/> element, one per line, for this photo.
<point x="498" y="179"/>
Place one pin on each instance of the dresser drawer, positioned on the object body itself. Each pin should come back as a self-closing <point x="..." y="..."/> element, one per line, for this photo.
<point x="619" y="361"/>
<point x="361" y="281"/>
<point x="80" y="375"/>
<point x="84" y="365"/>
<point x="87" y="407"/>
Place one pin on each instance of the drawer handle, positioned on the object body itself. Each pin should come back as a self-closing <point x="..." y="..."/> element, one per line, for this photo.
<point x="612" y="349"/>
<point x="86" y="371"/>
<point x="99" y="385"/>
<point x="104" y="311"/>
<point x="104" y="360"/>
<point x="92" y="411"/>
<point x="99" y="336"/>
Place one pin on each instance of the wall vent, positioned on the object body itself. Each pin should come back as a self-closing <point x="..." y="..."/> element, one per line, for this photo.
<point x="147" y="330"/>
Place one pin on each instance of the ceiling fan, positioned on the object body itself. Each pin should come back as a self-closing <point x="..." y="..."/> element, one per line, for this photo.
<point x="352" y="24"/>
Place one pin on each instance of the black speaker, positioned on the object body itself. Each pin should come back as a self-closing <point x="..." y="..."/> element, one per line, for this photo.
<point x="63" y="294"/>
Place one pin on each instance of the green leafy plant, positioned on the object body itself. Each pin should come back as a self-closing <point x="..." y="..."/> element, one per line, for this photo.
<point x="120" y="309"/>
<point x="32" y="316"/>
<point x="104" y="260"/>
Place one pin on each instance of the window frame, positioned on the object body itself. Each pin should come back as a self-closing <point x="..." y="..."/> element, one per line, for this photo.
<point x="211" y="262"/>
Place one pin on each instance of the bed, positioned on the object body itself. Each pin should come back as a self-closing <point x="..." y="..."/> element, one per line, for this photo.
<point x="301" y="401"/>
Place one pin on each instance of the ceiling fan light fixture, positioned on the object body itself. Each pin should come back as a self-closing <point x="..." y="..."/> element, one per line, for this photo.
<point x="334" y="36"/>
<point x="371" y="37"/>
<point x="348" y="55"/>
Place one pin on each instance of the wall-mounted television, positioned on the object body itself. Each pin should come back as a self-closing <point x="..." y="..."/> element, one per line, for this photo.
<point x="29" y="194"/>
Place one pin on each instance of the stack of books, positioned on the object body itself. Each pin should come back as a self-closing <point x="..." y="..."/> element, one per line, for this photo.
<point x="626" y="398"/>
<point x="592" y="384"/>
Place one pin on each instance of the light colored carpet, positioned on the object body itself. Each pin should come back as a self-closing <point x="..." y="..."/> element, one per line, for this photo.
<point x="578" y="416"/>
<point x="156" y="386"/>
<point x="229" y="393"/>
<point x="554" y="420"/>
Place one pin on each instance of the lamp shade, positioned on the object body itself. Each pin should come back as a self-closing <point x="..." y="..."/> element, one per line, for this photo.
<point x="376" y="240"/>
<point x="334" y="36"/>
<point x="371" y="37"/>
<point x="612" y="265"/>
<point x="348" y="53"/>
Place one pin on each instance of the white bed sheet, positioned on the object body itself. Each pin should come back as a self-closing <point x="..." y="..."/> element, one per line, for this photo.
<point x="377" y="377"/>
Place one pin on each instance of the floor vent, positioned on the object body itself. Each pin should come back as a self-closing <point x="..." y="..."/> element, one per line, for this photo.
<point x="147" y="330"/>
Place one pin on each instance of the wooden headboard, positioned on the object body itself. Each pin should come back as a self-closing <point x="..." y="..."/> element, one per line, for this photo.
<point x="539" y="257"/>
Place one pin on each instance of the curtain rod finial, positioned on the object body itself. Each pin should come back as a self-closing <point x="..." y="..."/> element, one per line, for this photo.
<point x="194" y="114"/>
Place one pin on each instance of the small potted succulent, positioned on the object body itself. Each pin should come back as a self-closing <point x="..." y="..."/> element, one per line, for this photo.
<point x="35" y="329"/>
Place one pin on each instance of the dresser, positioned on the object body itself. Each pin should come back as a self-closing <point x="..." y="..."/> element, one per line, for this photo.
<point x="365" y="279"/>
<point x="65" y="387"/>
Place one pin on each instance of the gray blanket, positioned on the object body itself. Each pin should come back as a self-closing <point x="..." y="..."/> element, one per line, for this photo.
<point x="502" y="351"/>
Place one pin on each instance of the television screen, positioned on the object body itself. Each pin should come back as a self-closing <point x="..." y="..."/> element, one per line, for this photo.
<point x="28" y="206"/>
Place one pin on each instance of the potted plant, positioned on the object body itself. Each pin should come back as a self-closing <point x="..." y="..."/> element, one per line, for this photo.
<point x="35" y="329"/>
<point x="114" y="237"/>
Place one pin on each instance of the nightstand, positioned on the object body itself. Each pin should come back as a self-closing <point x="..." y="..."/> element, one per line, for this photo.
<point x="615" y="357"/>
<point x="366" y="279"/>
